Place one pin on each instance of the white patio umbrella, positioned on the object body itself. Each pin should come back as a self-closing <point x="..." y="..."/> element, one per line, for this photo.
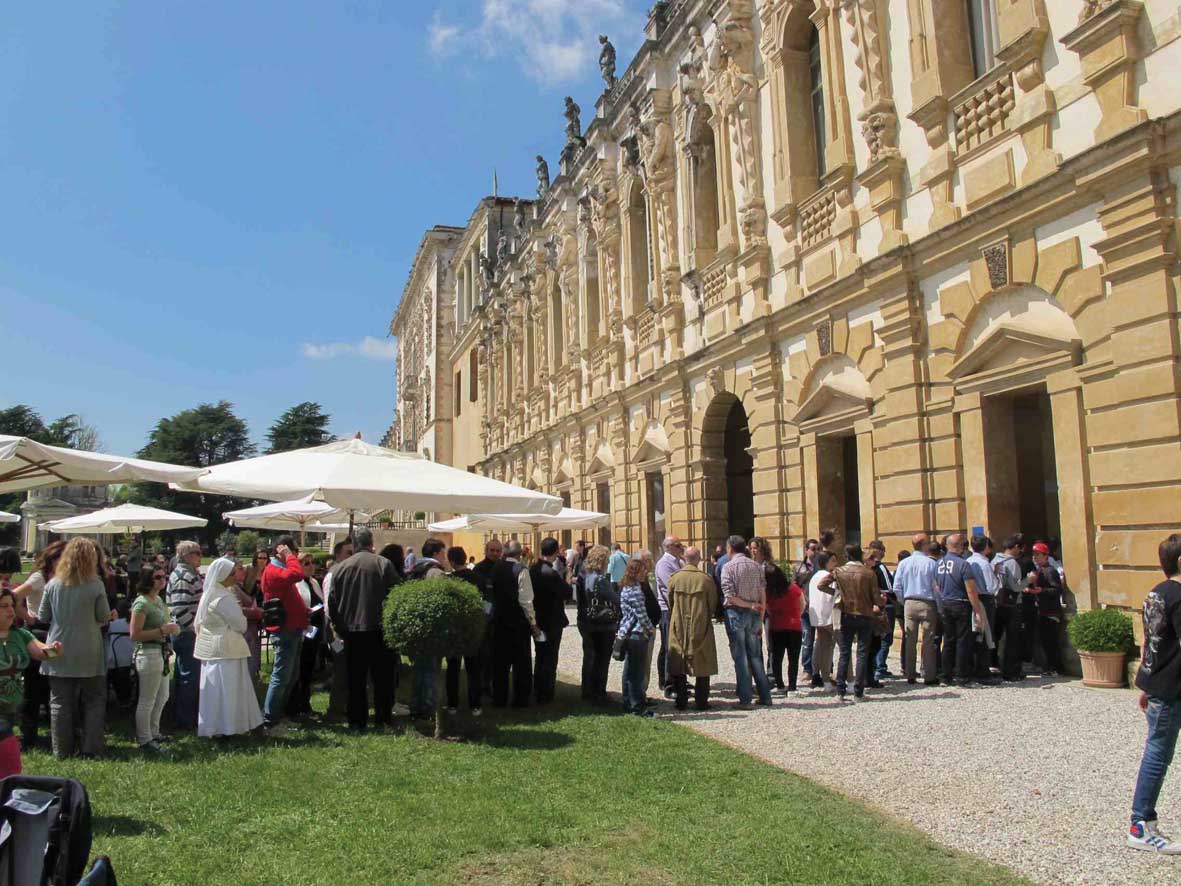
<point x="301" y="514"/>
<point x="6" y="517"/>
<point x="123" y="518"/>
<point x="354" y="475"/>
<point x="27" y="464"/>
<point x="567" y="518"/>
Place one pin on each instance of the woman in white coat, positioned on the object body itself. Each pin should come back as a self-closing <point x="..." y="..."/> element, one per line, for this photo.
<point x="228" y="705"/>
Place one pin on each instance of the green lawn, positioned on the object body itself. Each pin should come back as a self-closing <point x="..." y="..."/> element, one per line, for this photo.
<point x="570" y="796"/>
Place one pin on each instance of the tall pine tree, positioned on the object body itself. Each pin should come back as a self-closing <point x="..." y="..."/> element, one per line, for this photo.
<point x="299" y="427"/>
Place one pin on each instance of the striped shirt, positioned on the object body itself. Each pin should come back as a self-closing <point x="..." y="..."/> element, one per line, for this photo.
<point x="743" y="577"/>
<point x="184" y="594"/>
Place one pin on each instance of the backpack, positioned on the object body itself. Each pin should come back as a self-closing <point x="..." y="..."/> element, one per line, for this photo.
<point x="274" y="616"/>
<point x="45" y="831"/>
<point x="600" y="607"/>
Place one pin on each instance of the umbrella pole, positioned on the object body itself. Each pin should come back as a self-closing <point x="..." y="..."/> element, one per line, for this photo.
<point x="350" y="535"/>
<point x="303" y="534"/>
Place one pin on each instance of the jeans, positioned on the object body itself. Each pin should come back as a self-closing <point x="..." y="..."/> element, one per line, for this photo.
<point x="746" y="648"/>
<point x="635" y="663"/>
<point x="1164" y="721"/>
<point x="789" y="642"/>
<point x="662" y="655"/>
<point x="545" y="666"/>
<point x="887" y="640"/>
<point x="1048" y="629"/>
<point x="809" y="639"/>
<point x="299" y="701"/>
<point x="471" y="664"/>
<point x="287" y="645"/>
<point x="425" y="696"/>
<point x="77" y="703"/>
<point x="365" y="655"/>
<point x="596" y="663"/>
<point x="153" y="693"/>
<point x="186" y="681"/>
<point x="859" y="628"/>
<point x="959" y="648"/>
<point x="1008" y="630"/>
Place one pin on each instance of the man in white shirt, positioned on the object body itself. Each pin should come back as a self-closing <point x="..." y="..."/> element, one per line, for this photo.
<point x="820" y="606"/>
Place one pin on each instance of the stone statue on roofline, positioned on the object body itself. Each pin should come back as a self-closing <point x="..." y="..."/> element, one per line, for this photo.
<point x="573" y="115"/>
<point x="542" y="177"/>
<point x="607" y="62"/>
<point x="519" y="217"/>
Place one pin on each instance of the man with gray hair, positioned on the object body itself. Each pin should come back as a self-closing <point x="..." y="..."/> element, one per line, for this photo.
<point x="513" y="623"/>
<point x="669" y="564"/>
<point x="184" y="595"/>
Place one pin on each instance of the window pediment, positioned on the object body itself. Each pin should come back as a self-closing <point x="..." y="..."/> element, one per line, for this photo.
<point x="1008" y="346"/>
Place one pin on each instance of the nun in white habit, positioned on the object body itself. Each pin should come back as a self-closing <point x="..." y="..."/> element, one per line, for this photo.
<point x="228" y="705"/>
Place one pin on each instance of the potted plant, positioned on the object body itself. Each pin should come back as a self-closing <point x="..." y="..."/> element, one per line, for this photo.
<point x="1102" y="638"/>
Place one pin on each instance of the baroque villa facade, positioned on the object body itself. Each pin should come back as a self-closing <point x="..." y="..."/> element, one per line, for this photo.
<point x="874" y="265"/>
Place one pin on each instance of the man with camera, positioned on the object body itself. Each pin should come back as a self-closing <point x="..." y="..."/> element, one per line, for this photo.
<point x="285" y="615"/>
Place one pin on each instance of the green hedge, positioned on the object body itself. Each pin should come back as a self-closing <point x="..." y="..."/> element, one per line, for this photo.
<point x="434" y="618"/>
<point x="1101" y="630"/>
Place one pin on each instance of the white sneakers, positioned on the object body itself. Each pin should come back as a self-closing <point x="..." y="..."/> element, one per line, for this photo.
<point x="1144" y="835"/>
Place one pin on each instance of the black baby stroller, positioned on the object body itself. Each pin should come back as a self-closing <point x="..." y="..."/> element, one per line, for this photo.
<point x="44" y="831"/>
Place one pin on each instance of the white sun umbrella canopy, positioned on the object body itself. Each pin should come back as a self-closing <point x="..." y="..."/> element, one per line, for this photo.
<point x="124" y="518"/>
<point x="6" y="517"/>
<point x="27" y="464"/>
<point x="354" y="475"/>
<point x="567" y="518"/>
<point x="300" y="514"/>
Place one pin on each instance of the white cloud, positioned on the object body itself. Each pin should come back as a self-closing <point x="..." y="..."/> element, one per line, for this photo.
<point x="369" y="347"/>
<point x="551" y="40"/>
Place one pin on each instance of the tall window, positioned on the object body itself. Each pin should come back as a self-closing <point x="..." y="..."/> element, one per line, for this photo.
<point x="603" y="506"/>
<point x="705" y="191"/>
<point x="458" y="393"/>
<point x="557" y="323"/>
<point x="982" y="32"/>
<point x="656" y="527"/>
<point x="590" y="275"/>
<point x="816" y="95"/>
<point x="641" y="265"/>
<point x="473" y="371"/>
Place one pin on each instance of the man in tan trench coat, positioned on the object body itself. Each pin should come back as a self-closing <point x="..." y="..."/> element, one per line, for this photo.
<point x="693" y="598"/>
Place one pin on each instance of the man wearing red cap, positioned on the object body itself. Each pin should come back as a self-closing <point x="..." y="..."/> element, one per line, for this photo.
<point x="1046" y="584"/>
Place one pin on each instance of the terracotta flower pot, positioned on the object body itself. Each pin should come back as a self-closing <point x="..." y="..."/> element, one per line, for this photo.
<point x="1104" y="670"/>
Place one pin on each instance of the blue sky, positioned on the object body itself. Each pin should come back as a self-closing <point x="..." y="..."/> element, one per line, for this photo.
<point x="222" y="200"/>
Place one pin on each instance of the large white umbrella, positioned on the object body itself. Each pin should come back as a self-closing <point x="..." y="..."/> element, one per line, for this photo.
<point x="353" y="475"/>
<point x="123" y="518"/>
<point x="567" y="518"/>
<point x="27" y="464"/>
<point x="6" y="517"/>
<point x="302" y="514"/>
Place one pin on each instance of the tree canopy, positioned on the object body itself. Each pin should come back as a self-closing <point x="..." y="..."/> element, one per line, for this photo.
<point x="69" y="431"/>
<point x="299" y="427"/>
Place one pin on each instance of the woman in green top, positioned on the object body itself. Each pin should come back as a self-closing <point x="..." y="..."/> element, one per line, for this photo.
<point x="17" y="648"/>
<point x="150" y="626"/>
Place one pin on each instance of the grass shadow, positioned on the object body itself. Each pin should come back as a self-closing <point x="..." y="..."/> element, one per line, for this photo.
<point x="124" y="826"/>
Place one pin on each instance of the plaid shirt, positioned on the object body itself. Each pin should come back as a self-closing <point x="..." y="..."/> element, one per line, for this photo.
<point x="743" y="577"/>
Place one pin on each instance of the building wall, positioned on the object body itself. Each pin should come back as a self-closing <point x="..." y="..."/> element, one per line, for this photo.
<point x="971" y="303"/>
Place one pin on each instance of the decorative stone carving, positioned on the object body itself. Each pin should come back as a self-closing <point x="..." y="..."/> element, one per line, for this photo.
<point x="519" y="222"/>
<point x="824" y="337"/>
<point x="996" y="259"/>
<point x="734" y="87"/>
<point x="658" y="163"/>
<point x="692" y="70"/>
<point x="716" y="379"/>
<point x="542" y="177"/>
<point x="502" y="250"/>
<point x="607" y="62"/>
<point x="879" y="122"/>
<point x="573" y="114"/>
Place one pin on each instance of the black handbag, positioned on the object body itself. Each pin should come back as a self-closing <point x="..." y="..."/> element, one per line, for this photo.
<point x="617" y="649"/>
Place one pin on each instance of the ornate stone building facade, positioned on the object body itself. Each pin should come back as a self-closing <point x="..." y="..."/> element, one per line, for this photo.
<point x="873" y="265"/>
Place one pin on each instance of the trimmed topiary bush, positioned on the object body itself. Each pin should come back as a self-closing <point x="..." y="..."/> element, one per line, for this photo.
<point x="434" y="618"/>
<point x="1101" y="630"/>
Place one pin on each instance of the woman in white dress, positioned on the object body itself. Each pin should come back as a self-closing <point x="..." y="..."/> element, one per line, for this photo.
<point x="228" y="705"/>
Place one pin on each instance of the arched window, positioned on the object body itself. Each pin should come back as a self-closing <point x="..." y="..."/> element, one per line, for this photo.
<point x="641" y="262"/>
<point x="982" y="34"/>
<point x="816" y="98"/>
<point x="557" y="342"/>
<point x="590" y="275"/>
<point x="706" y="211"/>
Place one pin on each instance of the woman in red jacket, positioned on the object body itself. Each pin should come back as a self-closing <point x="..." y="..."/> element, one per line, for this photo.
<point x="785" y="606"/>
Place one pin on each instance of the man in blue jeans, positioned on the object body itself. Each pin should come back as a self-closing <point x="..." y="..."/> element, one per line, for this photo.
<point x="279" y="581"/>
<point x="1159" y="682"/>
<point x="861" y="605"/>
<point x="744" y="591"/>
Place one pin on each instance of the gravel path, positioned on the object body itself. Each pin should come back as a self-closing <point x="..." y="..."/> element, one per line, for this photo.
<point x="1037" y="776"/>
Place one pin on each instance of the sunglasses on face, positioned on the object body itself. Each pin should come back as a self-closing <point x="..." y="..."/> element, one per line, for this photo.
<point x="159" y="577"/>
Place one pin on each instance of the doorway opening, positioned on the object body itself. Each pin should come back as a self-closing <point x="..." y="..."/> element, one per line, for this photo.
<point x="740" y="495"/>
<point x="838" y="481"/>
<point x="727" y="471"/>
<point x="1021" y="465"/>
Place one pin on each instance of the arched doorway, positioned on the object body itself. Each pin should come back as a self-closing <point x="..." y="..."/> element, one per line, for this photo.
<point x="728" y="471"/>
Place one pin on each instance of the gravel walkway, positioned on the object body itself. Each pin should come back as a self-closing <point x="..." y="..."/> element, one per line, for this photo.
<point x="1037" y="776"/>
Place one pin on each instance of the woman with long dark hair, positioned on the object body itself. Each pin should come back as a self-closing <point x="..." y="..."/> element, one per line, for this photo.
<point x="28" y="599"/>
<point x="151" y="626"/>
<point x="635" y="636"/>
<point x="785" y="605"/>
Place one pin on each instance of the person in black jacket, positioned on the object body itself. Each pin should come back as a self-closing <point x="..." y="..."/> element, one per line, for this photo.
<point x="513" y="621"/>
<point x="493" y="551"/>
<point x="457" y="557"/>
<point x="598" y="619"/>
<point x="550" y="593"/>
<point x="1044" y="583"/>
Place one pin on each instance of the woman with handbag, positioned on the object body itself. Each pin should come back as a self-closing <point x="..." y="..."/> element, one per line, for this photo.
<point x="634" y="637"/>
<point x="228" y="705"/>
<point x="598" y="620"/>
<point x="150" y="625"/>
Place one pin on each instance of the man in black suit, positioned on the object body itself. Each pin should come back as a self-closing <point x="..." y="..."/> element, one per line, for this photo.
<point x="550" y="593"/>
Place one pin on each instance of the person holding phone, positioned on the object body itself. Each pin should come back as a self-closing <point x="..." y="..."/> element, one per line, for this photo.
<point x="279" y="581"/>
<point x="150" y="629"/>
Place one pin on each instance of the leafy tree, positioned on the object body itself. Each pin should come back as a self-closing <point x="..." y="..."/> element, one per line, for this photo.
<point x="69" y="431"/>
<point x="246" y="543"/>
<point x="299" y="427"/>
<point x="434" y="618"/>
<point x="23" y="421"/>
<point x="206" y="435"/>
